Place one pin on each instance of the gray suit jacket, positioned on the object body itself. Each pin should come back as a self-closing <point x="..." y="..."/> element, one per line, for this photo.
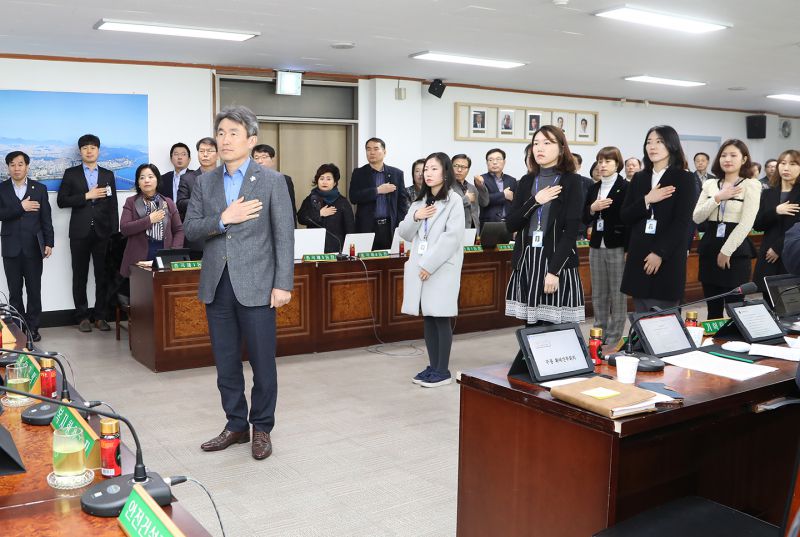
<point x="259" y="253"/>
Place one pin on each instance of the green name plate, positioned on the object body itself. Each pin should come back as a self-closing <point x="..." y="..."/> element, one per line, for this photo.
<point x="505" y="247"/>
<point x="473" y="249"/>
<point x="141" y="516"/>
<point x="33" y="371"/>
<point x="712" y="326"/>
<point x="186" y="265"/>
<point x="582" y="244"/>
<point x="69" y="417"/>
<point x="377" y="254"/>
<point x="313" y="258"/>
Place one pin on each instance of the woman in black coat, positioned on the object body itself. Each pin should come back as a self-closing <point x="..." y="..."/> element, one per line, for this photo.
<point x="658" y="210"/>
<point x="778" y="212"/>
<point x="546" y="211"/>
<point x="326" y="208"/>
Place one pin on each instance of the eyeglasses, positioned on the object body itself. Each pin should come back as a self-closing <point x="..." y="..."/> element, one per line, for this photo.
<point x="180" y="154"/>
<point x="206" y="151"/>
<point x="460" y="167"/>
<point x="494" y="160"/>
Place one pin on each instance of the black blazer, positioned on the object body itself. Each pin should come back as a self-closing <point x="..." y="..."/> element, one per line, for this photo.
<point x="614" y="232"/>
<point x="104" y="212"/>
<point x="674" y="216"/>
<point x="290" y="186"/>
<point x="25" y="232"/>
<point x="563" y="220"/>
<point x="497" y="200"/>
<point x="792" y="250"/>
<point x="771" y="223"/>
<point x="338" y="225"/>
<point x="363" y="194"/>
<point x="166" y="183"/>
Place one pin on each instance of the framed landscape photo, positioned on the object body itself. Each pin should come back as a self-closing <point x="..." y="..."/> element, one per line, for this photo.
<point x="478" y="118"/>
<point x="586" y="128"/>
<point x="505" y="122"/>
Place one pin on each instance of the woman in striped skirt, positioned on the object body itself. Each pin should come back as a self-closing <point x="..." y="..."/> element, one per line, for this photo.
<point x="546" y="212"/>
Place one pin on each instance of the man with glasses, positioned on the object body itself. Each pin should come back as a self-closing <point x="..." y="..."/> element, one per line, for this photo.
<point x="499" y="186"/>
<point x="207" y="156"/>
<point x="265" y="155"/>
<point x="473" y="197"/>
<point x="180" y="156"/>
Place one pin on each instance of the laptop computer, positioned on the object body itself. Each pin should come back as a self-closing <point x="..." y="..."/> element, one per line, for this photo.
<point x="784" y="297"/>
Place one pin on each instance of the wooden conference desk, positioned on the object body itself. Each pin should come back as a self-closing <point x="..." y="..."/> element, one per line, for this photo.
<point x="533" y="466"/>
<point x="28" y="506"/>
<point x="332" y="307"/>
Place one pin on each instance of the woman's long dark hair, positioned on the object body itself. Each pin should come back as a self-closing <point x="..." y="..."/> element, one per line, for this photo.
<point x="447" y="174"/>
<point x="677" y="159"/>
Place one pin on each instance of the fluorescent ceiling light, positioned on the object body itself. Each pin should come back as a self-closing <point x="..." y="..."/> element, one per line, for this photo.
<point x="785" y="97"/>
<point x="665" y="81"/>
<point x="660" y="20"/>
<point x="466" y="60"/>
<point x="179" y="31"/>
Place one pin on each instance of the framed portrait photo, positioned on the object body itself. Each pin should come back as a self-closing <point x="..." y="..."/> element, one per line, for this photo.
<point x="566" y="122"/>
<point x="478" y="117"/>
<point x="535" y="119"/>
<point x="586" y="127"/>
<point x="505" y="122"/>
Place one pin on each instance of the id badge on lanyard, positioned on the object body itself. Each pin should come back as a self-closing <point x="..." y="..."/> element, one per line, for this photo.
<point x="423" y="244"/>
<point x="650" y="226"/>
<point x="600" y="224"/>
<point x="721" y="230"/>
<point x="537" y="239"/>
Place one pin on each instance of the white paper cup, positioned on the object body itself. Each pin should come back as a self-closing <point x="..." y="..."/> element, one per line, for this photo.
<point x="697" y="334"/>
<point x="626" y="368"/>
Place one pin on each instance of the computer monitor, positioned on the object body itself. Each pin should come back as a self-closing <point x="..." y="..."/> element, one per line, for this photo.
<point x="783" y="294"/>
<point x="308" y="241"/>
<point x="494" y="233"/>
<point x="362" y="241"/>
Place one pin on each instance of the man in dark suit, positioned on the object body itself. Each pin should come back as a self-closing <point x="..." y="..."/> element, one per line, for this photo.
<point x="207" y="156"/>
<point x="265" y="155"/>
<point x="180" y="156"/>
<point x="379" y="191"/>
<point x="499" y="185"/>
<point x="701" y="173"/>
<point x="242" y="211"/>
<point x="91" y="192"/>
<point x="27" y="237"/>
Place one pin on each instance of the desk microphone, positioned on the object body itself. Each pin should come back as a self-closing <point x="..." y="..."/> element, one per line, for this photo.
<point x="107" y="498"/>
<point x="42" y="414"/>
<point x="339" y="255"/>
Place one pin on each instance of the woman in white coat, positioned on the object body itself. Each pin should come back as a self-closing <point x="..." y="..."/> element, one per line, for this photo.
<point x="434" y="225"/>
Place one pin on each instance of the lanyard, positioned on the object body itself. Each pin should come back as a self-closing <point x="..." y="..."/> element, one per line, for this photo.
<point x="539" y="210"/>
<point x="723" y="203"/>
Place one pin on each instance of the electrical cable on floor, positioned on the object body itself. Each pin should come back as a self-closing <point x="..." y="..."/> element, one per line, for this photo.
<point x="377" y="349"/>
<point x="178" y="479"/>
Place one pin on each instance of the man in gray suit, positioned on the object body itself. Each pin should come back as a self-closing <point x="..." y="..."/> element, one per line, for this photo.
<point x="243" y="212"/>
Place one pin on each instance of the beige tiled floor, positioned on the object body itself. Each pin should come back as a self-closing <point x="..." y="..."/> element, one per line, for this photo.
<point x="359" y="449"/>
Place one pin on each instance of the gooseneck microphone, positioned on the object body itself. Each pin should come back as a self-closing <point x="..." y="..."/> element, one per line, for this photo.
<point x="42" y="414"/>
<point x="107" y="498"/>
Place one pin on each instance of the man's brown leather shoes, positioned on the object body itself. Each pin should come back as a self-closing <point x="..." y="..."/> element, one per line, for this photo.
<point x="225" y="439"/>
<point x="262" y="445"/>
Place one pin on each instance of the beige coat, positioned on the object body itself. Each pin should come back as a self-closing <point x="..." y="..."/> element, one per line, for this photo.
<point x="438" y="295"/>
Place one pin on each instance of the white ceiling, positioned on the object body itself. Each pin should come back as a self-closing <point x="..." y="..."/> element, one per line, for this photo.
<point x="568" y="50"/>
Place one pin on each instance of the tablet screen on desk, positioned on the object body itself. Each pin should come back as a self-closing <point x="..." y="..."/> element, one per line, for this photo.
<point x="555" y="351"/>
<point x="756" y="320"/>
<point x="664" y="335"/>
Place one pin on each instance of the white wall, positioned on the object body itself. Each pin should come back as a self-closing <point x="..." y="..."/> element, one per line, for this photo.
<point x="622" y="125"/>
<point x="180" y="108"/>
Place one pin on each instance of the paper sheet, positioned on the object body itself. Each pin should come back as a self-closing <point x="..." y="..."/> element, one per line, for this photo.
<point x="621" y="412"/>
<point x="562" y="382"/>
<point x="771" y="351"/>
<point x="706" y="363"/>
<point x="793" y="342"/>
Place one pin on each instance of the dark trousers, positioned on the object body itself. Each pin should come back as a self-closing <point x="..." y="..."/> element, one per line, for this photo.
<point x="81" y="250"/>
<point x="230" y="323"/>
<point x="716" y="307"/>
<point x="438" y="341"/>
<point x="644" y="305"/>
<point x="383" y="234"/>
<point x="29" y="270"/>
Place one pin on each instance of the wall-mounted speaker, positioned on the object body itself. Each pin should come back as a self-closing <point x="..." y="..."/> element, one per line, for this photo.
<point x="437" y="88"/>
<point x="756" y="127"/>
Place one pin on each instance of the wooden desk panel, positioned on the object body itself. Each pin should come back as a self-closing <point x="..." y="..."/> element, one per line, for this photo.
<point x="526" y="460"/>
